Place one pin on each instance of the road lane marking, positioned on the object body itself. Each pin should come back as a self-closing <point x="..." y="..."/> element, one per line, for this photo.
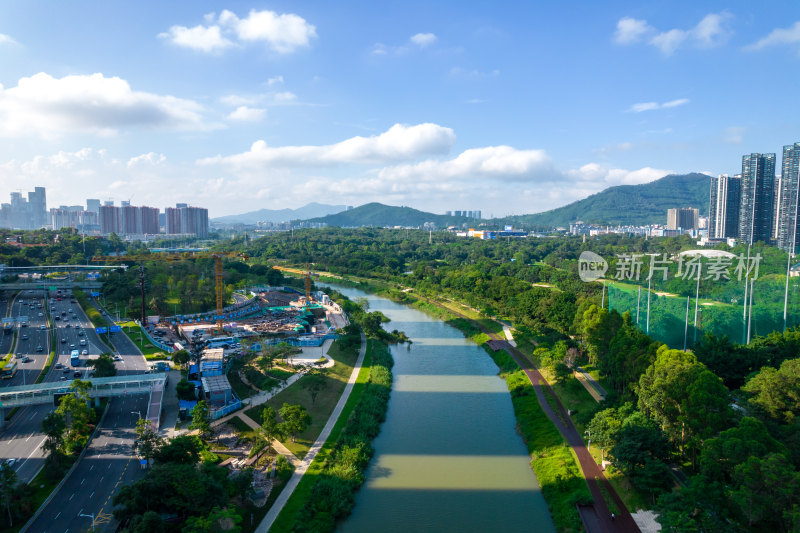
<point x="70" y="498"/>
<point x="59" y="514"/>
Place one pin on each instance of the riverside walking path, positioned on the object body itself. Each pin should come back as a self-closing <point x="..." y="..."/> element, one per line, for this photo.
<point x="280" y="502"/>
<point x="623" y="522"/>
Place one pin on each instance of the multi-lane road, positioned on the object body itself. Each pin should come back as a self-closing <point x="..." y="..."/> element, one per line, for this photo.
<point x="109" y="461"/>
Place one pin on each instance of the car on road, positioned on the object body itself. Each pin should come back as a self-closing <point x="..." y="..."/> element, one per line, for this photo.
<point x="58" y="317"/>
<point x="10" y="462"/>
<point x="59" y="365"/>
<point x="26" y="359"/>
<point x="63" y="340"/>
<point x="38" y="348"/>
<point x="80" y="333"/>
<point x="41" y="314"/>
<point x="67" y="370"/>
<point x="84" y="352"/>
<point x="62" y="378"/>
<point x="71" y="346"/>
<point x="77" y="374"/>
<point x="117" y="358"/>
<point x="43" y="326"/>
<point x="24" y="337"/>
<point x="68" y="326"/>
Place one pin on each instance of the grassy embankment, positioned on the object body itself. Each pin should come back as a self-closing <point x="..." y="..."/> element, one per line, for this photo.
<point x="335" y="380"/>
<point x="327" y="491"/>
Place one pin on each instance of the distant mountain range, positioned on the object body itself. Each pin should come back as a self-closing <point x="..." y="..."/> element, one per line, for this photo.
<point x="281" y="215"/>
<point x="624" y="204"/>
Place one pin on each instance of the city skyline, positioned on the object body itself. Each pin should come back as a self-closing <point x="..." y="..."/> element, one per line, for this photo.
<point x="515" y="108"/>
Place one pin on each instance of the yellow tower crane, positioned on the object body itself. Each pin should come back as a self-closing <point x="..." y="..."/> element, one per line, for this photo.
<point x="305" y="273"/>
<point x="178" y="256"/>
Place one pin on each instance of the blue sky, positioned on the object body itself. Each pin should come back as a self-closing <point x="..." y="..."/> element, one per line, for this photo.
<point x="511" y="108"/>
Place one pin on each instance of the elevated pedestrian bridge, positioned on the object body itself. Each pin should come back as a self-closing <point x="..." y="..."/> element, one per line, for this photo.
<point x="46" y="393"/>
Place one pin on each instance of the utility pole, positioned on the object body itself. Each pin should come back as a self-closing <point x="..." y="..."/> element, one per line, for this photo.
<point x="141" y="288"/>
<point x="686" y="326"/>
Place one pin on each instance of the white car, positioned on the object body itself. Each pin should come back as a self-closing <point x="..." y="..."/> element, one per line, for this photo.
<point x="84" y="352"/>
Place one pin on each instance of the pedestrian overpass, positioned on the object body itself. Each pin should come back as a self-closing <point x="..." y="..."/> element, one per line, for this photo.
<point x="46" y="393"/>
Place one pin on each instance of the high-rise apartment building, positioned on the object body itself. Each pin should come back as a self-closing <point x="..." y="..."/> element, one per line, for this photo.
<point x="110" y="219"/>
<point x="93" y="205"/>
<point x="149" y="217"/>
<point x="25" y="214"/>
<point x="682" y="218"/>
<point x="723" y="210"/>
<point x="786" y="225"/>
<point x="131" y="219"/>
<point x="185" y="219"/>
<point x="756" y="211"/>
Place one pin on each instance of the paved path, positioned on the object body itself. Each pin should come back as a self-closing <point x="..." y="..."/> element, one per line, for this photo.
<point x="595" y="479"/>
<point x="276" y="508"/>
<point x="590" y="384"/>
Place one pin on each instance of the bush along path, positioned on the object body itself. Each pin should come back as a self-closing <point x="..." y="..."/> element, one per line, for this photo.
<point x="622" y="521"/>
<point x="276" y="508"/>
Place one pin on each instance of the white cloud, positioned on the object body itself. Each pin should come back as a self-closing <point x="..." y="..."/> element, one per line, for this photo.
<point x="247" y="114"/>
<point x="275" y="80"/>
<point x="669" y="41"/>
<point x="50" y="107"/>
<point x="6" y="39"/>
<point x="205" y="39"/>
<point x="500" y="162"/>
<point x="778" y="36"/>
<point x="599" y="177"/>
<point x="423" y="39"/>
<point x="415" y="42"/>
<point x="630" y="30"/>
<point x="711" y="31"/>
<point x="397" y="143"/>
<point x="651" y="106"/>
<point x="282" y="33"/>
<point x="150" y="158"/>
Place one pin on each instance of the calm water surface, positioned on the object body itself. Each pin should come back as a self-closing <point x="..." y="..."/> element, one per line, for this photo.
<point x="448" y="457"/>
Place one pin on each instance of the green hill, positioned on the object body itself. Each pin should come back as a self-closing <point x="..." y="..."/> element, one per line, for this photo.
<point x="376" y="214"/>
<point x="624" y="204"/>
<point x="628" y="204"/>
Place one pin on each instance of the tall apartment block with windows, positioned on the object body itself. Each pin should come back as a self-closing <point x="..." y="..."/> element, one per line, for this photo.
<point x="757" y="209"/>
<point x="786" y="227"/>
<point x="723" y="209"/>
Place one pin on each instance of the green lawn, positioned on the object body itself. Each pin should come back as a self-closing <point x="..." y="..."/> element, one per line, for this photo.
<point x="150" y="351"/>
<point x="302" y="492"/>
<point x="320" y="411"/>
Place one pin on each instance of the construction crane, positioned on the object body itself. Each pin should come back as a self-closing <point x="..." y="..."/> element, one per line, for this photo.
<point x="305" y="273"/>
<point x="173" y="257"/>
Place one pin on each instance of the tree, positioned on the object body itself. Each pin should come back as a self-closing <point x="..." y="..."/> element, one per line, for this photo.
<point x="315" y="381"/>
<point x="765" y="486"/>
<point x="77" y="414"/>
<point x="185" y="390"/>
<point x="8" y="481"/>
<point x="201" y="419"/>
<point x="721" y="454"/>
<point x="776" y="393"/>
<point x="269" y="429"/>
<point x="53" y="427"/>
<point x="639" y="453"/>
<point x="242" y="483"/>
<point x="183" y="449"/>
<point x="147" y="439"/>
<point x="604" y="427"/>
<point x="103" y="366"/>
<point x="562" y="372"/>
<point x="217" y="521"/>
<point x="181" y="357"/>
<point x="295" y="420"/>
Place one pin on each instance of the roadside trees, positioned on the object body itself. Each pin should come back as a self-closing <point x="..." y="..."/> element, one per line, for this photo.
<point x="315" y="382"/>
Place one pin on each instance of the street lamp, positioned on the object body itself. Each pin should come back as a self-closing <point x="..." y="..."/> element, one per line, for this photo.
<point x="137" y="413"/>
<point x="89" y="516"/>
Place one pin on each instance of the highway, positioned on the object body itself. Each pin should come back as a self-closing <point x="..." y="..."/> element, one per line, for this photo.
<point x="109" y="461"/>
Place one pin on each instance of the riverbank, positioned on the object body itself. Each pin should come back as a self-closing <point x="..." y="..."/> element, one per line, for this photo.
<point x="552" y="460"/>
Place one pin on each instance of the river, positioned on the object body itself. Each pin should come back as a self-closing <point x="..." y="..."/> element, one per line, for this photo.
<point x="448" y="457"/>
